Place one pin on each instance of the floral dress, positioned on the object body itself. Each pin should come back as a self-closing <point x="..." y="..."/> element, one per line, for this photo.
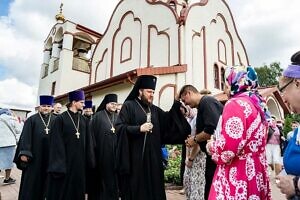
<point x="239" y="152"/>
<point x="194" y="178"/>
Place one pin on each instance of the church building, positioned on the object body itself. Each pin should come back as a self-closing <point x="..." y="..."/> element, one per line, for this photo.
<point x="179" y="42"/>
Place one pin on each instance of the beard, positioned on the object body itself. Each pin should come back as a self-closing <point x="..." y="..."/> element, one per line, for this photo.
<point x="88" y="113"/>
<point x="146" y="101"/>
<point x="45" y="112"/>
<point x="111" y="110"/>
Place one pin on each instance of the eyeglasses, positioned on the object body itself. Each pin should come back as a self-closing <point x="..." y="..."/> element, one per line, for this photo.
<point x="281" y="89"/>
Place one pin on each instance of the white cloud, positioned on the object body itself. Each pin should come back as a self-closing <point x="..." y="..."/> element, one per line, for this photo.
<point x="17" y="94"/>
<point x="269" y="29"/>
<point x="22" y="35"/>
<point x="20" y="54"/>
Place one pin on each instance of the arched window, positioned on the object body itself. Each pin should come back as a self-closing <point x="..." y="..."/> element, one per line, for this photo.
<point x="222" y="57"/>
<point x="126" y="50"/>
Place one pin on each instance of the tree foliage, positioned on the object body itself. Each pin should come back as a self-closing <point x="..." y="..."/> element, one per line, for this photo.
<point x="288" y="122"/>
<point x="268" y="75"/>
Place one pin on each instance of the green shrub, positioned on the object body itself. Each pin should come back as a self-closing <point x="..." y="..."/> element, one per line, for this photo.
<point x="172" y="173"/>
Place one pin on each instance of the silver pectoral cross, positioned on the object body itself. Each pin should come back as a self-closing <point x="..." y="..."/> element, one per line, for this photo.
<point x="77" y="134"/>
<point x="47" y="130"/>
<point x="113" y="129"/>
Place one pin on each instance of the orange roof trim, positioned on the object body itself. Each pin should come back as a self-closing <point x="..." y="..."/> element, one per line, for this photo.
<point x="128" y="77"/>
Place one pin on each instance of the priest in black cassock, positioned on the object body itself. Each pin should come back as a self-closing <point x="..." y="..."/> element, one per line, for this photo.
<point x="71" y="150"/>
<point x="142" y="128"/>
<point x="103" y="129"/>
<point x="90" y="173"/>
<point x="33" y="150"/>
<point x="88" y="109"/>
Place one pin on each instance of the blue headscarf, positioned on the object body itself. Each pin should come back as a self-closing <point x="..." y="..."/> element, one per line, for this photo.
<point x="5" y="111"/>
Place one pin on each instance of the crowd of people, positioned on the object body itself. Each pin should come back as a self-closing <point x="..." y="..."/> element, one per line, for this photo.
<point x="116" y="152"/>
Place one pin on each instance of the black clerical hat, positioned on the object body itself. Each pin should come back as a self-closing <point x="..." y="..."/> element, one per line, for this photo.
<point x="46" y="100"/>
<point x="143" y="82"/>
<point x="107" y="99"/>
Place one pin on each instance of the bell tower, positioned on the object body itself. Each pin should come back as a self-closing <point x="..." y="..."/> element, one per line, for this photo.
<point x="67" y="56"/>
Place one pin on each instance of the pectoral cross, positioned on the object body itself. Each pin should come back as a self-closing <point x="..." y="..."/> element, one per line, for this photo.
<point x="47" y="130"/>
<point x="113" y="129"/>
<point x="77" y="134"/>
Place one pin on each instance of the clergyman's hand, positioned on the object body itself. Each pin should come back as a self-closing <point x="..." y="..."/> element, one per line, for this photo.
<point x="146" y="127"/>
<point x="24" y="158"/>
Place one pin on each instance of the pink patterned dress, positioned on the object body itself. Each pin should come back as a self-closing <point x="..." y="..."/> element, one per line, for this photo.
<point x="239" y="151"/>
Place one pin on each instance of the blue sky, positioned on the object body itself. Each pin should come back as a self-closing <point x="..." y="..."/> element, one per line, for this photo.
<point x="2" y="72"/>
<point x="4" y="7"/>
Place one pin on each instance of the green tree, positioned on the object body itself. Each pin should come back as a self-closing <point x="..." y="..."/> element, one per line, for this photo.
<point x="268" y="75"/>
<point x="288" y="121"/>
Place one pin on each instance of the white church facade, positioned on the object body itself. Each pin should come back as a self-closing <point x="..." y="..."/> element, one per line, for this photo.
<point x="177" y="42"/>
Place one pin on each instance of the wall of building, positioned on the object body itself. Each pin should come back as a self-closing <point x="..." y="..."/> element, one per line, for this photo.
<point x="141" y="33"/>
<point x="274" y="107"/>
<point x="135" y="38"/>
<point x="210" y="36"/>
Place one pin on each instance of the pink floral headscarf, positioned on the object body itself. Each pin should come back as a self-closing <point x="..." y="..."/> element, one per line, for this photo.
<point x="240" y="79"/>
<point x="243" y="81"/>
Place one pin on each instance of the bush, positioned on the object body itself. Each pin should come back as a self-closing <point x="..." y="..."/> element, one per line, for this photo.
<point x="172" y="173"/>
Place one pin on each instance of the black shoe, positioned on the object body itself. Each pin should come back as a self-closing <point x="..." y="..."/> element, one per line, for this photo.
<point x="9" y="181"/>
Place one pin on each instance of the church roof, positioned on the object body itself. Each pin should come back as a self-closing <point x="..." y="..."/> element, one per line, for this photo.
<point x="129" y="76"/>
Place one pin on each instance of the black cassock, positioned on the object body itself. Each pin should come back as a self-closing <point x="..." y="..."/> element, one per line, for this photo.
<point x="34" y="143"/>
<point x="141" y="175"/>
<point x="106" y="143"/>
<point x="69" y="156"/>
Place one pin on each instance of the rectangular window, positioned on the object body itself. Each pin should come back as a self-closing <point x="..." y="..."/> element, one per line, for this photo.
<point x="53" y="88"/>
<point x="216" y="77"/>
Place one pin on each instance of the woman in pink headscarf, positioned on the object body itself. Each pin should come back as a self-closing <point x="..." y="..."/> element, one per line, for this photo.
<point x="238" y="147"/>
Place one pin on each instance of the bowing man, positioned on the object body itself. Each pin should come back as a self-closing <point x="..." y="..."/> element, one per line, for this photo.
<point x="88" y="109"/>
